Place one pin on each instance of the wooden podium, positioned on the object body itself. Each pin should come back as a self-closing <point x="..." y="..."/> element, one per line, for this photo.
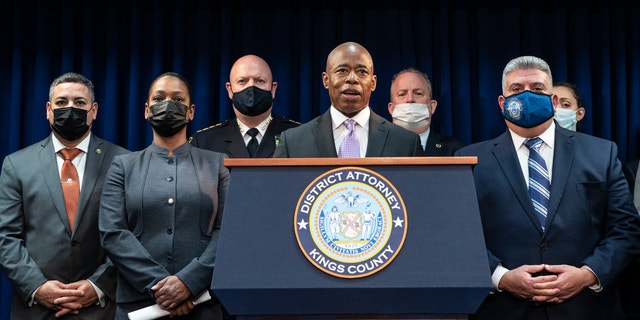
<point x="440" y="271"/>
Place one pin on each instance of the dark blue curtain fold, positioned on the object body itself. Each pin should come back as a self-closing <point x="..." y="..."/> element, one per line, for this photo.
<point x="123" y="46"/>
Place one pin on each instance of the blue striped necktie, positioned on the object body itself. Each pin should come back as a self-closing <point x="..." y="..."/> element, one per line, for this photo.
<point x="539" y="183"/>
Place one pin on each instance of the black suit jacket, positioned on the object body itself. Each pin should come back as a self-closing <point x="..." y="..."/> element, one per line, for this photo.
<point x="630" y="277"/>
<point x="314" y="139"/>
<point x="630" y="169"/>
<point x="225" y="137"/>
<point x="441" y="146"/>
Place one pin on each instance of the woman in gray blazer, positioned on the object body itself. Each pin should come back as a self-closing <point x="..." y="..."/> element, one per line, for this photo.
<point x="162" y="209"/>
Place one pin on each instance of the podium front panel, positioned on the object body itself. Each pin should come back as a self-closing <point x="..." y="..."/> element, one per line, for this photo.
<point x="442" y="267"/>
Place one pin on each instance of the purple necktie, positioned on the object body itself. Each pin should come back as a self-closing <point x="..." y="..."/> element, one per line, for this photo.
<point x="350" y="147"/>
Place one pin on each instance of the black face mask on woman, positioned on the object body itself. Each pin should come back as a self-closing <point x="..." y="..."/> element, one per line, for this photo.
<point x="252" y="101"/>
<point x="70" y="123"/>
<point x="168" y="117"/>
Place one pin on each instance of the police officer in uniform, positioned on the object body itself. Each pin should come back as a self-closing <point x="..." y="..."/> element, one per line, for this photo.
<point x="254" y="132"/>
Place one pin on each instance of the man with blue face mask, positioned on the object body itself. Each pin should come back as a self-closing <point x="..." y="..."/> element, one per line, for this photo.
<point x="558" y="218"/>
<point x="412" y="107"/>
<point x="254" y="132"/>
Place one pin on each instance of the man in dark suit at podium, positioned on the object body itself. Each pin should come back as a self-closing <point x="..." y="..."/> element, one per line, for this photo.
<point x="557" y="215"/>
<point x="412" y="107"/>
<point x="254" y="132"/>
<point x="350" y="128"/>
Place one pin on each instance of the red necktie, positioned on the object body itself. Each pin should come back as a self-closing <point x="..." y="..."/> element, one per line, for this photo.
<point x="70" y="184"/>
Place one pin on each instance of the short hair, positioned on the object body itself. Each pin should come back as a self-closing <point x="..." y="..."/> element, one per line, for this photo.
<point x="524" y="63"/>
<point x="416" y="71"/>
<point x="177" y="76"/>
<point x="72" y="77"/>
<point x="574" y="91"/>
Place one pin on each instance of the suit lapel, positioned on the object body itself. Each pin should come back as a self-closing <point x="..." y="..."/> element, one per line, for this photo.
<point x="268" y="144"/>
<point x="377" y="135"/>
<point x="430" y="146"/>
<point x="323" y="134"/>
<point x="236" y="147"/>
<point x="51" y="174"/>
<point x="564" y="151"/>
<point x="95" y="157"/>
<point x="508" y="160"/>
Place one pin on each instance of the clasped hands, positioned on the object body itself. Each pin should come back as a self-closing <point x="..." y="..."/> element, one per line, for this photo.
<point x="559" y="284"/>
<point x="173" y="295"/>
<point x="66" y="298"/>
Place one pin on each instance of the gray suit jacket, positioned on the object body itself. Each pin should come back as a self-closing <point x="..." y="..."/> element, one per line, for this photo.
<point x="160" y="215"/>
<point x="314" y="139"/>
<point x="36" y="242"/>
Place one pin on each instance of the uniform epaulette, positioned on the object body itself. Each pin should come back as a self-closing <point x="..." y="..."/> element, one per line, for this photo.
<point x="287" y="120"/>
<point x="215" y="126"/>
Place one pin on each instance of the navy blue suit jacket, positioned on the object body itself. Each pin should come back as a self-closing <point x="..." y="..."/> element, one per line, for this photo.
<point x="591" y="221"/>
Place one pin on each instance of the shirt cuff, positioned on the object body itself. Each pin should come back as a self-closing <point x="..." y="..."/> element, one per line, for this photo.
<point x="32" y="300"/>
<point x="596" y="287"/>
<point x="100" y="294"/>
<point x="497" y="275"/>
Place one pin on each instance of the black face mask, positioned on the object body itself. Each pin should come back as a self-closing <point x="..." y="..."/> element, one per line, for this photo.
<point x="168" y="117"/>
<point x="70" y="123"/>
<point x="252" y="101"/>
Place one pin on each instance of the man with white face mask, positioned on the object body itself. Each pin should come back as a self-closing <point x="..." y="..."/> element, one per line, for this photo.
<point x="412" y="108"/>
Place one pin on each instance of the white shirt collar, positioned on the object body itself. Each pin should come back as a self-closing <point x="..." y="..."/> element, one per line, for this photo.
<point x="83" y="145"/>
<point x="362" y="117"/>
<point x="262" y="127"/>
<point x="548" y="137"/>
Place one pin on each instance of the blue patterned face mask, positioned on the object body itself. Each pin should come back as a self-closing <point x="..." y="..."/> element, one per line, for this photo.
<point x="528" y="109"/>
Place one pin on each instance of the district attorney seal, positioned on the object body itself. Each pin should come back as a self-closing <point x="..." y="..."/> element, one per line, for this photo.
<point x="350" y="222"/>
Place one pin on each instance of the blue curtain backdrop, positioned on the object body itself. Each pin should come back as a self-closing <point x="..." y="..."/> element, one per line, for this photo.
<point x="122" y="45"/>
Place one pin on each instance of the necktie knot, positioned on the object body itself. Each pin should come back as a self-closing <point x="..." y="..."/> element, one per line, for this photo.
<point x="349" y="124"/>
<point x="533" y="143"/>
<point x="69" y="154"/>
<point x="253" y="132"/>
